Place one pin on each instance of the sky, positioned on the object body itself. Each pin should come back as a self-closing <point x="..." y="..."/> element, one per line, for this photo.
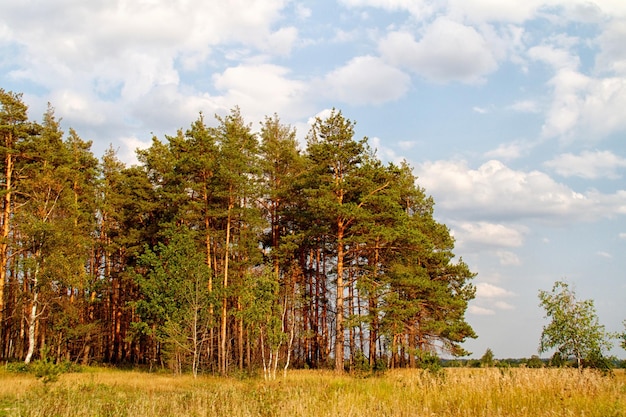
<point x="512" y="113"/>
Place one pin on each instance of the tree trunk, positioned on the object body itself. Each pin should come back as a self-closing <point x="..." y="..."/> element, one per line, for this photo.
<point x="4" y="236"/>
<point x="32" y="322"/>
<point x="223" y="361"/>
<point x="339" y="336"/>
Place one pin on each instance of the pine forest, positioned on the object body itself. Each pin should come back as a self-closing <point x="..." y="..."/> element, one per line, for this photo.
<point x="228" y="247"/>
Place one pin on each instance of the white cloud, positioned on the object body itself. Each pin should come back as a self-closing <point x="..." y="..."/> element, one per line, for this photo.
<point x="495" y="191"/>
<point x="303" y="12"/>
<point x="488" y="234"/>
<point x="486" y="290"/>
<point x="489" y="298"/>
<point x="261" y="90"/>
<point x="418" y="8"/>
<point x="525" y="106"/>
<point x="405" y="145"/>
<point x="384" y="152"/>
<point x="447" y="51"/>
<point x="603" y="254"/>
<point x="503" y="305"/>
<point x="480" y="311"/>
<point x="612" y="56"/>
<point x="556" y="57"/>
<point x="508" y="258"/>
<point x="113" y="68"/>
<point x="584" y="107"/>
<point x="366" y="80"/>
<point x="622" y="236"/>
<point x="480" y="110"/>
<point x="589" y="165"/>
<point x="131" y="143"/>
<point x="281" y="42"/>
<point x="510" y="151"/>
<point x="495" y="10"/>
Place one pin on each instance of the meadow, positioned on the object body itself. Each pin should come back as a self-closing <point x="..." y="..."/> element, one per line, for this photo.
<point x="466" y="392"/>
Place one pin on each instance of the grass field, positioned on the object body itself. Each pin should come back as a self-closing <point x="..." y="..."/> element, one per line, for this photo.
<point x="456" y="392"/>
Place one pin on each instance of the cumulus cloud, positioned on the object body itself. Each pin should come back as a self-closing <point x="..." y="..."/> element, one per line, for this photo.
<point x="503" y="305"/>
<point x="366" y="80"/>
<point x="495" y="191"/>
<point x="510" y="151"/>
<point x="525" y="106"/>
<point x="486" y="290"/>
<point x="128" y="155"/>
<point x="107" y="39"/>
<point x="480" y="311"/>
<point x="588" y="165"/>
<point x="584" y="107"/>
<point x="512" y="11"/>
<point x="113" y="69"/>
<point x="490" y="298"/>
<point x="262" y="89"/>
<point x="447" y="51"/>
<point x="612" y="56"/>
<point x="384" y="152"/>
<point x="508" y="258"/>
<point x="488" y="234"/>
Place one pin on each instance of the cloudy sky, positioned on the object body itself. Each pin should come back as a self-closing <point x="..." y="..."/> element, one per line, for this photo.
<point x="513" y="113"/>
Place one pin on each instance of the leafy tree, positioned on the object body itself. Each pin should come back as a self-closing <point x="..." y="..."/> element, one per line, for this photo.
<point x="487" y="360"/>
<point x="574" y="329"/>
<point x="534" y="362"/>
<point x="623" y="337"/>
<point x="175" y="298"/>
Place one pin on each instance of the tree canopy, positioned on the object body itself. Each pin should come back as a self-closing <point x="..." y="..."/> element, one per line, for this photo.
<point x="574" y="329"/>
<point x="223" y="248"/>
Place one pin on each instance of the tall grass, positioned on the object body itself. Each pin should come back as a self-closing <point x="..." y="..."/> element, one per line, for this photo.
<point x="456" y="392"/>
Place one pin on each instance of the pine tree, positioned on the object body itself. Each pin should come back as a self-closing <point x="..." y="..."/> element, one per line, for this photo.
<point x="14" y="129"/>
<point x="336" y="197"/>
<point x="237" y="175"/>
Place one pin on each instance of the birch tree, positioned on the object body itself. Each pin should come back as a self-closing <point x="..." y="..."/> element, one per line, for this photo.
<point x="574" y="328"/>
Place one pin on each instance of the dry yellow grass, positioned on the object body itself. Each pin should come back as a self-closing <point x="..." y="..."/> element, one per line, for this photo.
<point x="459" y="392"/>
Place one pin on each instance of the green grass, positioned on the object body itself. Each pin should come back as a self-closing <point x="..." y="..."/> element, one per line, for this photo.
<point x="457" y="392"/>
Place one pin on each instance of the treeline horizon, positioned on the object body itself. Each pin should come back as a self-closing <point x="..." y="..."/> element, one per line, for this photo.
<point x="223" y="249"/>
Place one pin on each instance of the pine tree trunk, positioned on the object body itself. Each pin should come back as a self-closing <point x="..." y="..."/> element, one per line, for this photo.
<point x="339" y="326"/>
<point x="4" y="236"/>
<point x="223" y="361"/>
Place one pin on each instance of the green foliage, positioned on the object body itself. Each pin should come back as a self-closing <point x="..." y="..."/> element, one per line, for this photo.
<point x="45" y="369"/>
<point x="430" y="362"/>
<point x="487" y="360"/>
<point x="175" y="299"/>
<point x="535" y="362"/>
<point x="219" y="243"/>
<point x="574" y="329"/>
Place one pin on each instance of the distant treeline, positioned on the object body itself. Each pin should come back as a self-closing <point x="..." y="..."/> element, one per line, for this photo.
<point x="223" y="249"/>
<point x="532" y="362"/>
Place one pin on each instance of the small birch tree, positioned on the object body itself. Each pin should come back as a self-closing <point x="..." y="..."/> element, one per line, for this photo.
<point x="574" y="329"/>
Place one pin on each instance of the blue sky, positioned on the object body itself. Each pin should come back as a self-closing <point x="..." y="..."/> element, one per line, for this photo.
<point x="513" y="113"/>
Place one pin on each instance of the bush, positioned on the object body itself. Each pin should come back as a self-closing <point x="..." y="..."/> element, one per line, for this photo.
<point x="430" y="362"/>
<point x="17" y="367"/>
<point x="535" y="362"/>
